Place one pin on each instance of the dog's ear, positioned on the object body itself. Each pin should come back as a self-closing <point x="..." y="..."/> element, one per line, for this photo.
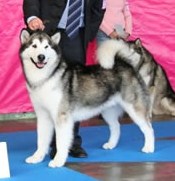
<point x="24" y="36"/>
<point x="56" y="38"/>
<point x="138" y="42"/>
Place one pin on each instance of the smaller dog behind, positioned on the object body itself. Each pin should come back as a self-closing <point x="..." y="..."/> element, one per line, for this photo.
<point x="162" y="94"/>
<point x="62" y="94"/>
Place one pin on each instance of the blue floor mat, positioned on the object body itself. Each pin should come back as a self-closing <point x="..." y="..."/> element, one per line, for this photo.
<point x="22" y="144"/>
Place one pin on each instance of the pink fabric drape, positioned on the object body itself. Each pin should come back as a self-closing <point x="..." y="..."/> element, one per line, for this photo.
<point x="13" y="94"/>
<point x="153" y="22"/>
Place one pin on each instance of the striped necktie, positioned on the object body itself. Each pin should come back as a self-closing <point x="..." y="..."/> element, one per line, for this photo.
<point x="74" y="16"/>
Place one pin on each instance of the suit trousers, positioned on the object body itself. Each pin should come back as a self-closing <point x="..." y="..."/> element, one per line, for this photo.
<point x="73" y="52"/>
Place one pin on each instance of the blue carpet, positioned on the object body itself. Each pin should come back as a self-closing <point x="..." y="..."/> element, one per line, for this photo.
<point x="22" y="144"/>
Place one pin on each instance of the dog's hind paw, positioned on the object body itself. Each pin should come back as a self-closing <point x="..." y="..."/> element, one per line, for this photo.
<point x="108" y="146"/>
<point x="148" y="149"/>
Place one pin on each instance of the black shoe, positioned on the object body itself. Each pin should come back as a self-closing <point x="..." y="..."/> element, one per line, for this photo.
<point x="53" y="152"/>
<point x="78" y="152"/>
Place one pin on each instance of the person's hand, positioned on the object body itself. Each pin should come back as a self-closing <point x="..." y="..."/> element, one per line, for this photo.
<point x="113" y="35"/>
<point x="36" y="24"/>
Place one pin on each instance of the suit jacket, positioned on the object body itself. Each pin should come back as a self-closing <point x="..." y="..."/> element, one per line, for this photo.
<point x="50" y="11"/>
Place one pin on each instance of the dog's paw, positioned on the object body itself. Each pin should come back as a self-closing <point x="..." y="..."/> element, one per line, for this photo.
<point x="54" y="163"/>
<point x="34" y="159"/>
<point x="108" y="146"/>
<point x="148" y="149"/>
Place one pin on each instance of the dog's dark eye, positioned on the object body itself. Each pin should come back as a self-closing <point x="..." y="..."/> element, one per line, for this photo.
<point x="34" y="46"/>
<point x="46" y="46"/>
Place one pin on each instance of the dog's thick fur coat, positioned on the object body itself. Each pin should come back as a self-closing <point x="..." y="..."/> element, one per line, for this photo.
<point x="62" y="94"/>
<point x="155" y="78"/>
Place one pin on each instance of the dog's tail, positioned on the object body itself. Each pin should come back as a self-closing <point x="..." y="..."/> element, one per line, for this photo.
<point x="107" y="51"/>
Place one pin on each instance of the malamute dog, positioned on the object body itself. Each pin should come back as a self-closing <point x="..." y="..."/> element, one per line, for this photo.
<point x="162" y="94"/>
<point x="62" y="94"/>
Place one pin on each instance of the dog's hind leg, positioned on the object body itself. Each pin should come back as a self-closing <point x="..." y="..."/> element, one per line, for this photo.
<point x="168" y="105"/>
<point x="142" y="119"/>
<point x="111" y="116"/>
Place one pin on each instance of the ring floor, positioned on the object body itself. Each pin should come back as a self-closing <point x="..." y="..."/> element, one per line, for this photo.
<point x="146" y="171"/>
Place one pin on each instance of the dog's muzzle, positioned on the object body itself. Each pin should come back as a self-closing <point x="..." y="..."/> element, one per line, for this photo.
<point x="40" y="61"/>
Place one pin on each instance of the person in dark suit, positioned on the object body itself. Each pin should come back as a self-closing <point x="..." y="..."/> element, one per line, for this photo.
<point x="51" y="16"/>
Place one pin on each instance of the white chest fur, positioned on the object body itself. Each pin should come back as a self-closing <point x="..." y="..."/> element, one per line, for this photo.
<point x="47" y="96"/>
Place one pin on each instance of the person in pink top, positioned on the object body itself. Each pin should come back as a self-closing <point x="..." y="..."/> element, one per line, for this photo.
<point x="117" y="21"/>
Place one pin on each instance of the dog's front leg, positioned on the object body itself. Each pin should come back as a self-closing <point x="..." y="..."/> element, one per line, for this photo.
<point x="64" y="135"/>
<point x="44" y="136"/>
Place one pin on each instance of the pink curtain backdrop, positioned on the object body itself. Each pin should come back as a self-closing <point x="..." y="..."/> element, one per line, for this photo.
<point x="153" y="22"/>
